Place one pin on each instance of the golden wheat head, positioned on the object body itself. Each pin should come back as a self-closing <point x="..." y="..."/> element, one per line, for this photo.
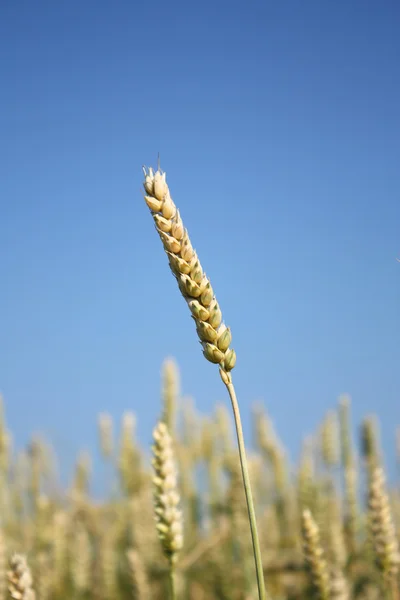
<point x="193" y="283"/>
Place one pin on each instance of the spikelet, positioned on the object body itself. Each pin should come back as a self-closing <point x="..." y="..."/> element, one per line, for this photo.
<point x="166" y="497"/>
<point x="194" y="285"/>
<point x="138" y="576"/>
<point x="314" y="556"/>
<point x="20" y="579"/>
<point x="383" y="535"/>
<point x="105" y="425"/>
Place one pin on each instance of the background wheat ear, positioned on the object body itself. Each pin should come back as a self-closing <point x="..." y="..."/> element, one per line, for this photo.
<point x="314" y="556"/>
<point x="20" y="579"/>
<point x="168" y="515"/>
<point x="382" y="530"/>
<point x="214" y="336"/>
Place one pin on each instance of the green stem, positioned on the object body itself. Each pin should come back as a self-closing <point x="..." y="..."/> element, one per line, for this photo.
<point x="247" y="488"/>
<point x="171" y="582"/>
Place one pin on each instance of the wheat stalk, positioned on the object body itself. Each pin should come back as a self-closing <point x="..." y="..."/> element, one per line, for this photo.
<point x="214" y="336"/>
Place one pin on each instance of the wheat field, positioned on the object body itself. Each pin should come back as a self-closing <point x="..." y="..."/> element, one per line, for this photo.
<point x="326" y="525"/>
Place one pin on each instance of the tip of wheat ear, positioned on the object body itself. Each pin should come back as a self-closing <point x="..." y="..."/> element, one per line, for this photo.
<point x="193" y="283"/>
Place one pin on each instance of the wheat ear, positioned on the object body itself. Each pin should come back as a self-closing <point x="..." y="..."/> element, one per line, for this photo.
<point x="314" y="556"/>
<point x="194" y="284"/>
<point x="214" y="336"/>
<point x="382" y="530"/>
<point x="20" y="579"/>
<point x="166" y="499"/>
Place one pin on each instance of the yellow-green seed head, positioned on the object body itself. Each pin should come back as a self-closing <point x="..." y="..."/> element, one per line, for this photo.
<point x="193" y="283"/>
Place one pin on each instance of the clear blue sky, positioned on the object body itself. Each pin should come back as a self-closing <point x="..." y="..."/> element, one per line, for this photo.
<point x="278" y="124"/>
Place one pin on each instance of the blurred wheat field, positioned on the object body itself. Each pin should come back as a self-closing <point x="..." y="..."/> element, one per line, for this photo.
<point x="327" y="526"/>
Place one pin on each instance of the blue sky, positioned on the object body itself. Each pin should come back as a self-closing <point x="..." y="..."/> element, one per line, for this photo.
<point x="278" y="124"/>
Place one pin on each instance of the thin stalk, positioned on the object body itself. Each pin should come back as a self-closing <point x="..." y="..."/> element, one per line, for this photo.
<point x="172" y="582"/>
<point x="226" y="378"/>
